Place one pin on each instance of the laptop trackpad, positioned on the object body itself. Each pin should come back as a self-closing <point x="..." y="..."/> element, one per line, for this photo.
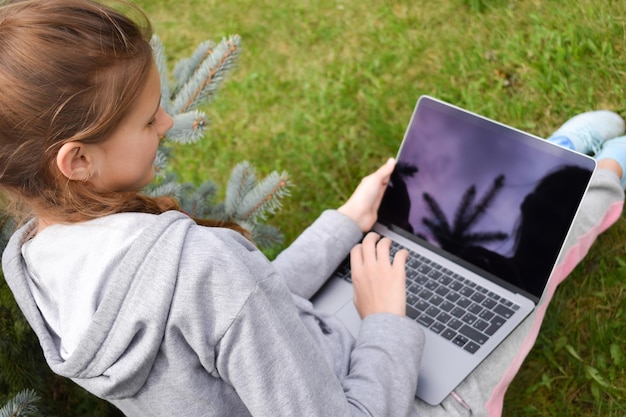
<point x="334" y="295"/>
<point x="350" y="317"/>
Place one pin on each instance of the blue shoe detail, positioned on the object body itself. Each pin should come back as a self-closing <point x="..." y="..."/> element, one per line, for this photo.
<point x="562" y="141"/>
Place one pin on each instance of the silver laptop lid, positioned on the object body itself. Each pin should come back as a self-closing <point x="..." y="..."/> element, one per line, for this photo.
<point x="493" y="198"/>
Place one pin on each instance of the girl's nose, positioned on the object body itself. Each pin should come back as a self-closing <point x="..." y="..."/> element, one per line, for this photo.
<point x="165" y="122"/>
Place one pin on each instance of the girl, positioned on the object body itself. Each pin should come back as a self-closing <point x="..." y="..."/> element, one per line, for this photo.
<point x="145" y="307"/>
<point x="135" y="301"/>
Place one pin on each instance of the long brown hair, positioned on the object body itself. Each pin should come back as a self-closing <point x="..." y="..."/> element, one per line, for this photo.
<point x="70" y="70"/>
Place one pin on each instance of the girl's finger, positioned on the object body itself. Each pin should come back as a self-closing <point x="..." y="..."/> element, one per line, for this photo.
<point x="369" y="245"/>
<point x="356" y="256"/>
<point x="382" y="249"/>
<point x="399" y="259"/>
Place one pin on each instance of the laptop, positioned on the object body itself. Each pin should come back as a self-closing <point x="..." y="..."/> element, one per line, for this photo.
<point x="484" y="210"/>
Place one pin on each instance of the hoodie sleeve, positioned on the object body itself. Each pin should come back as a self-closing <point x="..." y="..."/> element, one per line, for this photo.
<point x="241" y="321"/>
<point x="308" y="262"/>
<point x="276" y="368"/>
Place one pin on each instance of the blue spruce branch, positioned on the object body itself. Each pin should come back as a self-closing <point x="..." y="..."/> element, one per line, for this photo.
<point x="205" y="80"/>
<point x="158" y="51"/>
<point x="242" y="181"/>
<point x="188" y="127"/>
<point x="22" y="405"/>
<point x="265" y="235"/>
<point x="161" y="162"/>
<point x="195" y="81"/>
<point x="185" y="68"/>
<point x="171" y="188"/>
<point x="264" y="198"/>
<point x="197" y="201"/>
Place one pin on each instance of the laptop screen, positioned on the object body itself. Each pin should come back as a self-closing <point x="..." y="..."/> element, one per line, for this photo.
<point x="497" y="198"/>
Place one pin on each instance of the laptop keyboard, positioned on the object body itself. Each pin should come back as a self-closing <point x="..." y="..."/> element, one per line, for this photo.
<point x="448" y="304"/>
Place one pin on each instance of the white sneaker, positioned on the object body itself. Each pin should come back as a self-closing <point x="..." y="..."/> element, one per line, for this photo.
<point x="586" y="132"/>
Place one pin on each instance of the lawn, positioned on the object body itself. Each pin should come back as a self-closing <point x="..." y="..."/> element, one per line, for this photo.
<point x="324" y="90"/>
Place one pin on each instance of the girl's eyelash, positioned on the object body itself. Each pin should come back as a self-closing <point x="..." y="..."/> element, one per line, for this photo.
<point x="152" y="122"/>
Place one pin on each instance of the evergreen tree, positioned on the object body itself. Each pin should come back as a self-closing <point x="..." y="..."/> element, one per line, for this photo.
<point x="247" y="201"/>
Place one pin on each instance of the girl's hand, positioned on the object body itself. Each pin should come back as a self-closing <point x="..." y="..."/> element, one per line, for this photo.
<point x="362" y="206"/>
<point x="379" y="285"/>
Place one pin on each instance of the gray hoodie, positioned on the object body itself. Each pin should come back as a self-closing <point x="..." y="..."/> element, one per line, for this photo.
<point x="162" y="317"/>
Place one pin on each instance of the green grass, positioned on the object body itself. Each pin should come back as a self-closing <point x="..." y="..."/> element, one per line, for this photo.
<point x="324" y="90"/>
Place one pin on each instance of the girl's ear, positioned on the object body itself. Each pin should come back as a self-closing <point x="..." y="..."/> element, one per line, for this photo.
<point x="75" y="161"/>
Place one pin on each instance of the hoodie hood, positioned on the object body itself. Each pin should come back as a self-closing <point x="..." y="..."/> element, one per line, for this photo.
<point x="121" y="342"/>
